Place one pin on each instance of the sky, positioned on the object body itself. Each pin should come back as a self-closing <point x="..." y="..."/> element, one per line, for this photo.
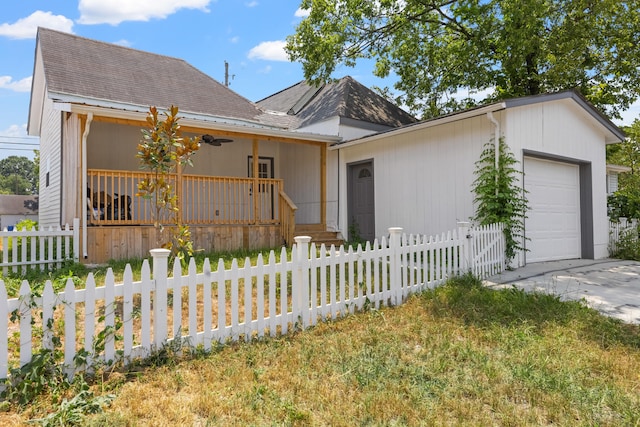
<point x="248" y="34"/>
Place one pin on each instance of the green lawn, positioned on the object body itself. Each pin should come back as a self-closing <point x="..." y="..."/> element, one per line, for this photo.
<point x="459" y="355"/>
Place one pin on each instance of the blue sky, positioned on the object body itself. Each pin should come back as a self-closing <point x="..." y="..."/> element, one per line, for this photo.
<point x="248" y="34"/>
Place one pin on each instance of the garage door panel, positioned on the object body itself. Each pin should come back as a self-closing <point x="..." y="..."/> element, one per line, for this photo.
<point x="552" y="226"/>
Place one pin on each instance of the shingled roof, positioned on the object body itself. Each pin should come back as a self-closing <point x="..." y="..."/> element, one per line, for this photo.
<point x="345" y="98"/>
<point x="94" y="70"/>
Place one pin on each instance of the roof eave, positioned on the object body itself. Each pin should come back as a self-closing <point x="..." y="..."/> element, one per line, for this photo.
<point x="425" y="124"/>
<point x="199" y="121"/>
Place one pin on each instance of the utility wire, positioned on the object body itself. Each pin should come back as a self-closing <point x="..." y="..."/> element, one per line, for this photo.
<point x="19" y="143"/>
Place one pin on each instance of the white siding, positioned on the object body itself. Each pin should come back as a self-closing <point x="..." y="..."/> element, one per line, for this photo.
<point x="331" y="126"/>
<point x="301" y="173"/>
<point x="332" y="189"/>
<point x="50" y="162"/>
<point x="423" y="179"/>
<point x="562" y="128"/>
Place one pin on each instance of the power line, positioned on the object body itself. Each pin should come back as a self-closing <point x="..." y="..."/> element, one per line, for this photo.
<point x="18" y="137"/>
<point x="20" y="143"/>
<point x="16" y="149"/>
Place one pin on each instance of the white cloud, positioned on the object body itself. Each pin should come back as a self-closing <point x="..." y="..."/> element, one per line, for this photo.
<point x="251" y="4"/>
<point x="15" y="130"/>
<point x="271" y="51"/>
<point x="234" y="39"/>
<point x="302" y="13"/>
<point x="265" y="70"/>
<point x="123" y="42"/>
<point x="26" y="28"/>
<point x="116" y="11"/>
<point x="23" y="85"/>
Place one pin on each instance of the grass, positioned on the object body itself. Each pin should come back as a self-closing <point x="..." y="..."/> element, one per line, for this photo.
<point x="457" y="355"/>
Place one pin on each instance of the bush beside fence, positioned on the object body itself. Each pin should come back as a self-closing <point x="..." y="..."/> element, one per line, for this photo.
<point x="618" y="229"/>
<point x="117" y="323"/>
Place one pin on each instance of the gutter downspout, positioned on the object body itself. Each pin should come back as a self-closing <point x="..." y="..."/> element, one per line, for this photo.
<point x="85" y="134"/>
<point x="496" y="142"/>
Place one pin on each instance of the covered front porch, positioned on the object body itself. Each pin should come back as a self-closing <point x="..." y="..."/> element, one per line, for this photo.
<point x="224" y="213"/>
<point x="228" y="200"/>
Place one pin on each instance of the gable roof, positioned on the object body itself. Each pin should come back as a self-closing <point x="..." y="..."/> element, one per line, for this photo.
<point x="613" y="133"/>
<point x="78" y="69"/>
<point x="345" y="98"/>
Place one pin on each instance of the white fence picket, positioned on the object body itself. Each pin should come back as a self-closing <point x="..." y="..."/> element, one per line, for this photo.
<point x="315" y="283"/>
<point x="34" y="248"/>
<point x="619" y="228"/>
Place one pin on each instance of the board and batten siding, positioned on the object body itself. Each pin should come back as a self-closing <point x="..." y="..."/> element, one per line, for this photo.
<point x="422" y="178"/>
<point x="50" y="162"/>
<point x="564" y="130"/>
<point x="301" y="174"/>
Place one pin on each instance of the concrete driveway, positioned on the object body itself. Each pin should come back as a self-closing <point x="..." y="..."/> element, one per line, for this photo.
<point x="608" y="285"/>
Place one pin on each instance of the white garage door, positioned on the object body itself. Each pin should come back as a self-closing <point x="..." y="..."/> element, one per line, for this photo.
<point x="552" y="226"/>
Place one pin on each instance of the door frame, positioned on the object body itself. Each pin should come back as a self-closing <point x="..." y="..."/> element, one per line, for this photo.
<point x="270" y="161"/>
<point x="585" y="184"/>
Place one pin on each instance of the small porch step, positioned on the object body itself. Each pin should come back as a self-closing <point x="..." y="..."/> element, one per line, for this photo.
<point x="319" y="235"/>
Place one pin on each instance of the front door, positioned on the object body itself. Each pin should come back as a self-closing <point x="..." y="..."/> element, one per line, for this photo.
<point x="361" y="207"/>
<point x="265" y="190"/>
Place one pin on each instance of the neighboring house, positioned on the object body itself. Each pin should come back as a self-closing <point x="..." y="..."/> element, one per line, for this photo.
<point x="421" y="176"/>
<point x="612" y="177"/>
<point x="89" y="102"/>
<point x="14" y="208"/>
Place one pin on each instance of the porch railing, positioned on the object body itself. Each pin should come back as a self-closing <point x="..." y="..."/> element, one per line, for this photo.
<point x="111" y="200"/>
<point x="287" y="218"/>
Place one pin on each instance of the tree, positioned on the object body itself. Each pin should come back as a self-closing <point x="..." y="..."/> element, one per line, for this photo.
<point x="18" y="175"/>
<point x="626" y="201"/>
<point x="163" y="151"/>
<point x="507" y="48"/>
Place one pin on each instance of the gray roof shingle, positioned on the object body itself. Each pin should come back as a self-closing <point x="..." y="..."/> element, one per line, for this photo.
<point x="92" y="69"/>
<point x="346" y="98"/>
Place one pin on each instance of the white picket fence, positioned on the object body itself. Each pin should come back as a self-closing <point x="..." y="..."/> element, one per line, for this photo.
<point x="617" y="229"/>
<point x="218" y="304"/>
<point x="39" y="248"/>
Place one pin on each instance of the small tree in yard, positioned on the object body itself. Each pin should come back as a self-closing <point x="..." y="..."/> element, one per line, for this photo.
<point x="499" y="199"/>
<point x="162" y="151"/>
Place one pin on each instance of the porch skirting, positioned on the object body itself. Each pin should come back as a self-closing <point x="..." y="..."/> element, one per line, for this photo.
<point x="126" y="242"/>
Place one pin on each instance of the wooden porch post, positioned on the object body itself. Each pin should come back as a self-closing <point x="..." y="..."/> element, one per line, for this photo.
<point x="256" y="210"/>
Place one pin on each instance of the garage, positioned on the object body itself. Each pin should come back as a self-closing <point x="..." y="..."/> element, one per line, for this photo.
<point x="552" y="226"/>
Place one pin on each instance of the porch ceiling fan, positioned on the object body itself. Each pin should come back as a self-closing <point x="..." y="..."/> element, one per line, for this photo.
<point x="216" y="142"/>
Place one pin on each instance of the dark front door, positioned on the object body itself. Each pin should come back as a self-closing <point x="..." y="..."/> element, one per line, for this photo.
<point x="361" y="207"/>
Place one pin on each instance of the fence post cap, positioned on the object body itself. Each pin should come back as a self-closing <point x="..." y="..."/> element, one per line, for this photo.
<point x="302" y="239"/>
<point x="395" y="230"/>
<point x="464" y="223"/>
<point x="160" y="253"/>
